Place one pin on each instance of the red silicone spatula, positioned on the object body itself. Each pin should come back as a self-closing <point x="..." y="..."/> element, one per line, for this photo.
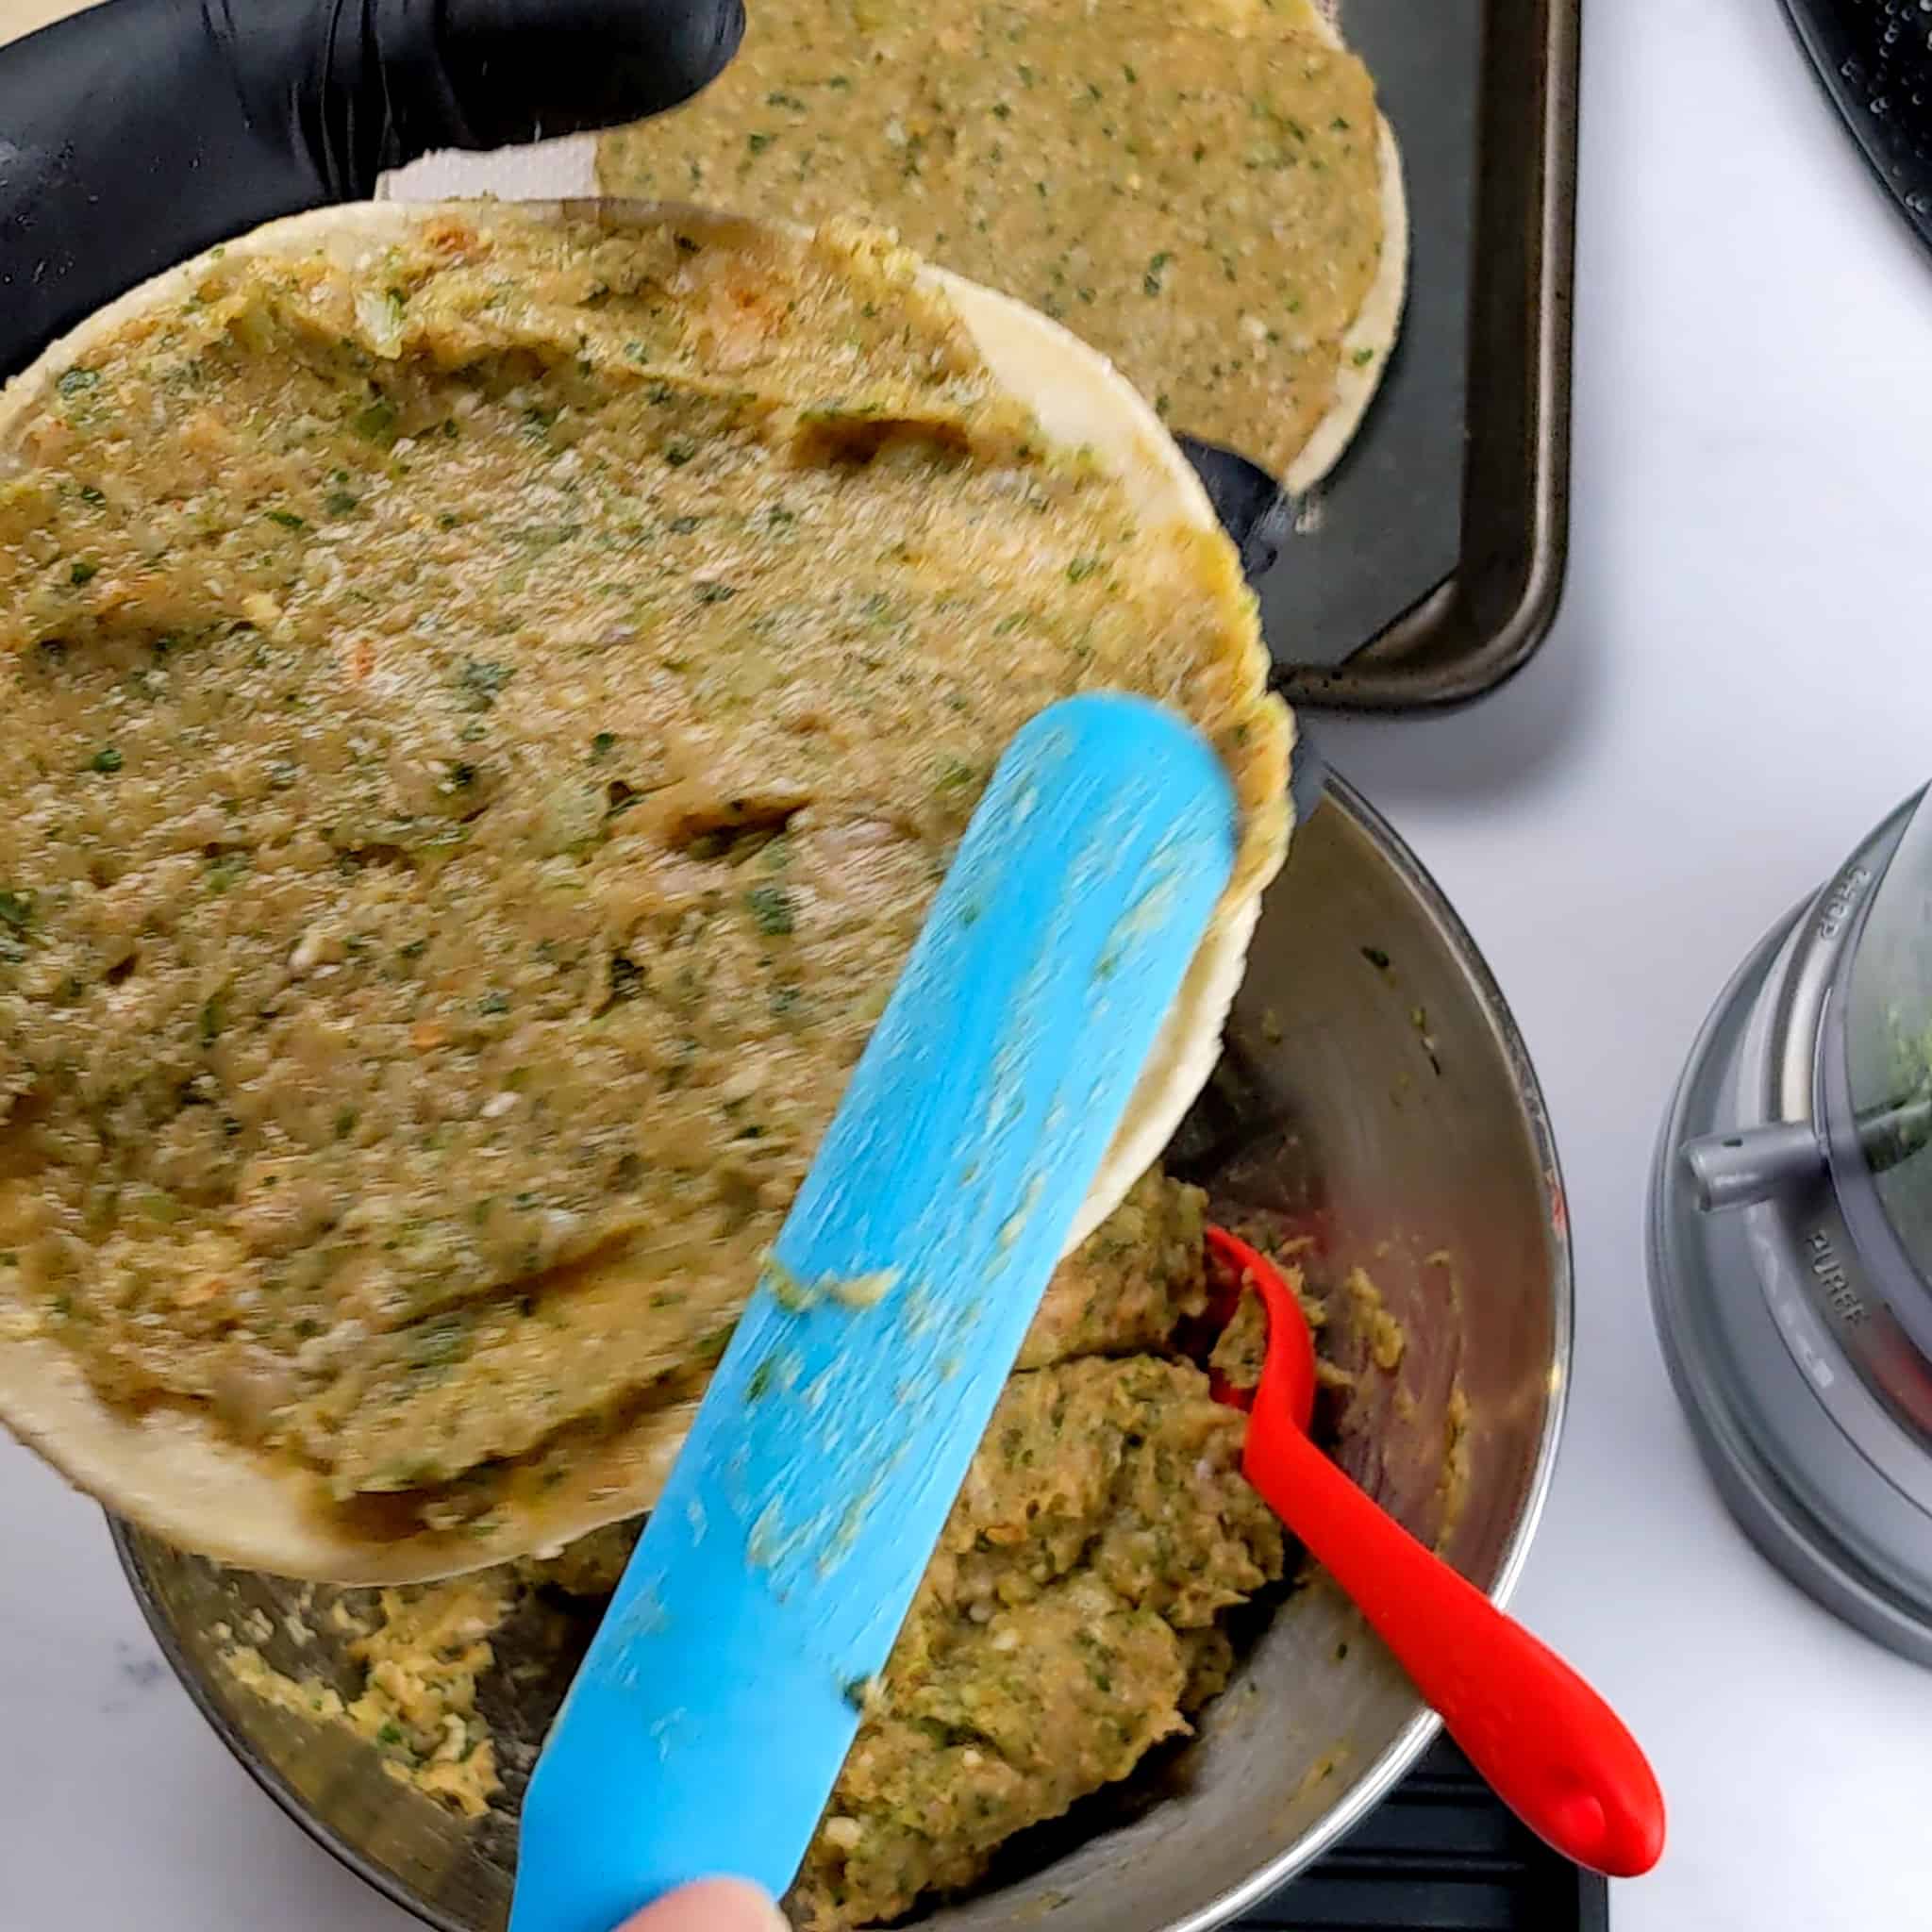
<point x="1551" y="1748"/>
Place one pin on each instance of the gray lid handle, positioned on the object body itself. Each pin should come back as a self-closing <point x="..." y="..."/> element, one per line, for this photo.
<point x="1737" y="1169"/>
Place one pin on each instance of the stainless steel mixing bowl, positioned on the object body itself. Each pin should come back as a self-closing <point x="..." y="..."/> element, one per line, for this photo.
<point x="1374" y="1086"/>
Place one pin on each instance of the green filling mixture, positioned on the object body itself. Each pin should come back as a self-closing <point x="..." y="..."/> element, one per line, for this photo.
<point x="1069" y="1621"/>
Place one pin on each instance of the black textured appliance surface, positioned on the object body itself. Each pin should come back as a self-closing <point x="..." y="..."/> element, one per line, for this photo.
<point x="1440" y="1855"/>
<point x="1873" y="59"/>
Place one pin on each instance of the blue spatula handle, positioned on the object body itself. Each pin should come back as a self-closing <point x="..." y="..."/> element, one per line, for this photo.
<point x="710" y="1718"/>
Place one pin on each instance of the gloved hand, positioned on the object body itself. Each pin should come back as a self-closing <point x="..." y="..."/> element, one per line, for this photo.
<point x="139" y="132"/>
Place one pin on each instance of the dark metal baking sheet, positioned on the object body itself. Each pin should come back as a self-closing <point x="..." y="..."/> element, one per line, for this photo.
<point x="1427" y="567"/>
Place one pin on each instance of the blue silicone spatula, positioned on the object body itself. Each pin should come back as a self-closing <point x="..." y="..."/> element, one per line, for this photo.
<point x="721" y="1694"/>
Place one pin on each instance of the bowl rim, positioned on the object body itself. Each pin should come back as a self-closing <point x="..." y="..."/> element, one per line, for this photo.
<point x="1420" y="1732"/>
<point x="1414" y="1738"/>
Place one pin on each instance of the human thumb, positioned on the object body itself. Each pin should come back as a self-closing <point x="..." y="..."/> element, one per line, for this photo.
<point x="714" y="1905"/>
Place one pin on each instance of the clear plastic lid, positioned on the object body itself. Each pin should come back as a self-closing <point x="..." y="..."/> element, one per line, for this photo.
<point x="1878" y="1113"/>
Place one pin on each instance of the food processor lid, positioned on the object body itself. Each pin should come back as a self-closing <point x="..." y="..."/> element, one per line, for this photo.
<point x="1874" y="1090"/>
<point x="1791" y="1239"/>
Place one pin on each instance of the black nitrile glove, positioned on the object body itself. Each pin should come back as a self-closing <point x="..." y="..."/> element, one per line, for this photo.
<point x="133" y="135"/>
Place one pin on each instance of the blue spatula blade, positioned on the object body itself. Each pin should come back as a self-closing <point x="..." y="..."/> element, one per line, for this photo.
<point x="710" y="1720"/>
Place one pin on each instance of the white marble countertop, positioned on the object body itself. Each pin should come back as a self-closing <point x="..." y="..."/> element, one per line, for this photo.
<point x="1740" y="684"/>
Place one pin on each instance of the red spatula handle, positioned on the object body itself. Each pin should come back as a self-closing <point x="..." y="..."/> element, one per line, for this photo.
<point x="1553" y="1750"/>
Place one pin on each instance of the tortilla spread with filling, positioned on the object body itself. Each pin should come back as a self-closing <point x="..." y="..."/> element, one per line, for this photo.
<point x="1201" y="194"/>
<point x="485" y="725"/>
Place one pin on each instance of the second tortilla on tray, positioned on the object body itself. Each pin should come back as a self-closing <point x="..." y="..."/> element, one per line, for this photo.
<point x="1211" y="200"/>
